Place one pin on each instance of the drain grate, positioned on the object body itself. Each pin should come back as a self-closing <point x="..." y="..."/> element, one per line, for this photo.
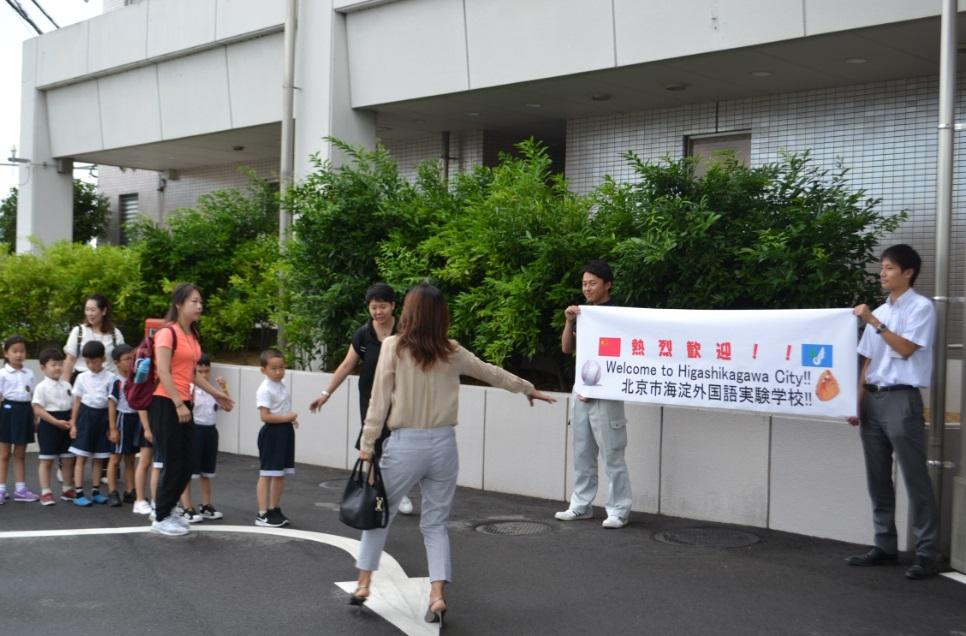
<point x="709" y="537"/>
<point x="333" y="484"/>
<point x="513" y="528"/>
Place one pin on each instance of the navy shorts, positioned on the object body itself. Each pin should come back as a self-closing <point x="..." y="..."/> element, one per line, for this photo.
<point x="128" y="427"/>
<point x="91" y="440"/>
<point x="205" y="451"/>
<point x="54" y="441"/>
<point x="16" y="422"/>
<point x="139" y="440"/>
<point x="276" y="450"/>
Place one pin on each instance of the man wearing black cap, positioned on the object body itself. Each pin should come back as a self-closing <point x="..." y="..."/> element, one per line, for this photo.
<point x="599" y="426"/>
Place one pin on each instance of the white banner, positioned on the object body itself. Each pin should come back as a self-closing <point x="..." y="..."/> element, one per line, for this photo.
<point x="789" y="361"/>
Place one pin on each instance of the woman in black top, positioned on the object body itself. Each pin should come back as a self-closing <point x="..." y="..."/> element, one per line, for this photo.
<point x="366" y="344"/>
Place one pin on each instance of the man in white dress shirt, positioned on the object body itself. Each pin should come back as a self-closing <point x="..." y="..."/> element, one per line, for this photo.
<point x="897" y="351"/>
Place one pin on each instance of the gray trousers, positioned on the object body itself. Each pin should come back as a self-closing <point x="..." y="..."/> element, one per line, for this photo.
<point x="428" y="457"/>
<point x="892" y="422"/>
<point x="600" y="428"/>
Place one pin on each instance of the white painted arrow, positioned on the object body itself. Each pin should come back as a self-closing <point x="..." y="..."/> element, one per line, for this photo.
<point x="394" y="596"/>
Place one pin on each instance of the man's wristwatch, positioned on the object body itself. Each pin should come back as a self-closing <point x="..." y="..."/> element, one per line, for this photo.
<point x="882" y="328"/>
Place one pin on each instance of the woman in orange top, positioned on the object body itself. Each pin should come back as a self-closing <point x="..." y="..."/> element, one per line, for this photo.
<point x="177" y="348"/>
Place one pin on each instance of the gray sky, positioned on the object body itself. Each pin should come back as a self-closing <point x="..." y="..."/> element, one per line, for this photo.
<point x="13" y="31"/>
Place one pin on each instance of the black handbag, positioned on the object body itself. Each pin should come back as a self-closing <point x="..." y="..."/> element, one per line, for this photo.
<point x="364" y="505"/>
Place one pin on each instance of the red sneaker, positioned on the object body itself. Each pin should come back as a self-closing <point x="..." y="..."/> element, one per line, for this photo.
<point x="68" y="495"/>
<point x="47" y="499"/>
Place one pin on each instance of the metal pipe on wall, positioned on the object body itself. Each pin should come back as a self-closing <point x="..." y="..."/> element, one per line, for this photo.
<point x="944" y="204"/>
<point x="286" y="167"/>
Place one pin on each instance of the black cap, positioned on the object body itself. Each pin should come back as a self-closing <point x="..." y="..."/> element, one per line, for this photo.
<point x="600" y="269"/>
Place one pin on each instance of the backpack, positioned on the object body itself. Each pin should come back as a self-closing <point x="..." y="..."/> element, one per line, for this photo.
<point x="140" y="390"/>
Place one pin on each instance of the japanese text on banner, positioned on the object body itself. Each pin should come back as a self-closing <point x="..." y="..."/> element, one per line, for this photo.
<point x="790" y="361"/>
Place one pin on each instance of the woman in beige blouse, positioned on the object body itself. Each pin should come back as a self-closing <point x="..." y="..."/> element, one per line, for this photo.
<point x="417" y="387"/>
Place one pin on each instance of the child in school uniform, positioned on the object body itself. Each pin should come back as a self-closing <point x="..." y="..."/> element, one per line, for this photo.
<point x="16" y="418"/>
<point x="51" y="405"/>
<point x="276" y="439"/>
<point x="144" y="441"/>
<point x="206" y="438"/>
<point x="90" y="426"/>
<point x="125" y="420"/>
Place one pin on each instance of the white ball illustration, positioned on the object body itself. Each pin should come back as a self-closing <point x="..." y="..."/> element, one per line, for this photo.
<point x="590" y="373"/>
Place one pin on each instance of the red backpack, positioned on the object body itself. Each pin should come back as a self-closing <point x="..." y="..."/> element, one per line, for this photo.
<point x="140" y="390"/>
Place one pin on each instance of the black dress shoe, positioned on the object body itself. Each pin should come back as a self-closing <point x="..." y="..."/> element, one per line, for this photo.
<point x="923" y="569"/>
<point x="875" y="556"/>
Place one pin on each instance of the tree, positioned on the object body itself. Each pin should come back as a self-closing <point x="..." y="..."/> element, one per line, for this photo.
<point x="92" y="214"/>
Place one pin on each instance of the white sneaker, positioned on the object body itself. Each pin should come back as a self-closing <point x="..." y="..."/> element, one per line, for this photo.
<point x="571" y="515"/>
<point x="169" y="526"/>
<point x="192" y="516"/>
<point x="181" y="520"/>
<point x="406" y="506"/>
<point x="141" y="507"/>
<point x="614" y="522"/>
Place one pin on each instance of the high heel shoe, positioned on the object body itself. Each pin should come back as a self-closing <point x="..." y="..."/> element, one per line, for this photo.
<point x="436" y="615"/>
<point x="355" y="599"/>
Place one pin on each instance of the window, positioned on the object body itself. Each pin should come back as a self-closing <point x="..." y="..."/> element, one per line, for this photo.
<point x="127" y="211"/>
<point x="709" y="148"/>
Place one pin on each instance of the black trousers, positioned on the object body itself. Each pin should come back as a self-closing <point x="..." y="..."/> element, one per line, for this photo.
<point x="173" y="442"/>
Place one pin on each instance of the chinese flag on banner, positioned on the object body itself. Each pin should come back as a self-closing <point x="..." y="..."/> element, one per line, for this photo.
<point x="609" y="347"/>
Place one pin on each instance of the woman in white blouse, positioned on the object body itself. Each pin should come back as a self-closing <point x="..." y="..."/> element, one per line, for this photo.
<point x="97" y="325"/>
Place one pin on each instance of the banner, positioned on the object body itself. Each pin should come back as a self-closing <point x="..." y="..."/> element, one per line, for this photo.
<point x="788" y="361"/>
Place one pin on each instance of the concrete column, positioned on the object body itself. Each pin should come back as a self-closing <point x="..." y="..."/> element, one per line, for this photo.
<point x="45" y="198"/>
<point x="322" y="100"/>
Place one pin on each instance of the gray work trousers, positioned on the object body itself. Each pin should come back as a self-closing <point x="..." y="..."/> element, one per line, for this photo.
<point x="428" y="457"/>
<point x="892" y="422"/>
<point x="600" y="428"/>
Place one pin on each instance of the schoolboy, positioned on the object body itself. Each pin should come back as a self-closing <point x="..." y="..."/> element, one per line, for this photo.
<point x="127" y="423"/>
<point x="52" y="406"/>
<point x="90" y="428"/>
<point x="206" y="438"/>
<point x="276" y="439"/>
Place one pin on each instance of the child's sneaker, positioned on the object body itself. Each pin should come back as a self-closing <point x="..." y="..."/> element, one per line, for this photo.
<point x="98" y="498"/>
<point x="47" y="499"/>
<point x="114" y="499"/>
<point x="192" y="515"/>
<point x="268" y="520"/>
<point x="68" y="495"/>
<point x="24" y="495"/>
<point x="129" y="497"/>
<point x="142" y="507"/>
<point x="282" y="519"/>
<point x="3" y="497"/>
<point x="82" y="501"/>
<point x="208" y="512"/>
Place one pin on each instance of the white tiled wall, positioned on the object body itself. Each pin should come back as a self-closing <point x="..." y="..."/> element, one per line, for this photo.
<point x="465" y="151"/>
<point x="884" y="132"/>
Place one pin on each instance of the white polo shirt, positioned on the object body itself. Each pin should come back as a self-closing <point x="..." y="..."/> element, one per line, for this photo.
<point x="94" y="389"/>
<point x="204" y="407"/>
<point x="913" y="317"/>
<point x="53" y="395"/>
<point x="16" y="385"/>
<point x="273" y="396"/>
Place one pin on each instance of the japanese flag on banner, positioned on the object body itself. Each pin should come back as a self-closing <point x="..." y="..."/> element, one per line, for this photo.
<point x="790" y="361"/>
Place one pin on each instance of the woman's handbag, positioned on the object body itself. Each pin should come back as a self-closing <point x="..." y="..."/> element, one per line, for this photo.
<point x="364" y="504"/>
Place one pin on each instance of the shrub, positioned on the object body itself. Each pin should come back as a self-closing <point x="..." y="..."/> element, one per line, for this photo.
<point x="92" y="214"/>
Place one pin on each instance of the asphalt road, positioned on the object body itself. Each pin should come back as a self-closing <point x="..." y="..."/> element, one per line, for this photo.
<point x="561" y="578"/>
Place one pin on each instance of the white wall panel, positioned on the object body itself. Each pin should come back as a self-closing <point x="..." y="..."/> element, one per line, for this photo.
<point x="255" y="80"/>
<point x="824" y="16"/>
<point x="73" y="114"/>
<point x="194" y="94"/>
<point x="321" y="436"/>
<point x="525" y="450"/>
<point x="62" y="54"/>
<point x="406" y="49"/>
<point x="228" y="422"/>
<point x="237" y="17"/>
<point x="714" y="466"/>
<point x="470" y="435"/>
<point x="176" y="25"/>
<point x="818" y="480"/>
<point x="130" y="107"/>
<point x="512" y="41"/>
<point x="248" y="418"/>
<point x="648" y="31"/>
<point x="118" y="38"/>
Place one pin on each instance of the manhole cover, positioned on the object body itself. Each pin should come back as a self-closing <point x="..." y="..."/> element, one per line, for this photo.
<point x="333" y="484"/>
<point x="708" y="537"/>
<point x="512" y="528"/>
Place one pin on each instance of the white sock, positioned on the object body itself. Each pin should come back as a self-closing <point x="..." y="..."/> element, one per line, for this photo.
<point x="21" y="485"/>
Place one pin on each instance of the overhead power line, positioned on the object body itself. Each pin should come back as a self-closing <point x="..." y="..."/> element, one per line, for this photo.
<point x="23" y="14"/>
<point x="46" y="15"/>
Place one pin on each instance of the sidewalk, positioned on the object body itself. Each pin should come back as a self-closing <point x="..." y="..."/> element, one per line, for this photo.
<point x="562" y="578"/>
